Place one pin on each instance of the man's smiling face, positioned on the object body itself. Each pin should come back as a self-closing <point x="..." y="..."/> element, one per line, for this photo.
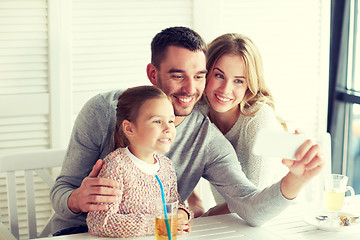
<point x="181" y="76"/>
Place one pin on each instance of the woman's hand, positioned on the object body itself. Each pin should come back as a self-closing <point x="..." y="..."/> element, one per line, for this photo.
<point x="309" y="162"/>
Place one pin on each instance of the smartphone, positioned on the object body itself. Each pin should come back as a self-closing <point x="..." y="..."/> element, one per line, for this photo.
<point x="270" y="143"/>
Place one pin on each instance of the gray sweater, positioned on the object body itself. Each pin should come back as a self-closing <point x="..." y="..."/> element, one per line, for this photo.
<point x="262" y="171"/>
<point x="199" y="150"/>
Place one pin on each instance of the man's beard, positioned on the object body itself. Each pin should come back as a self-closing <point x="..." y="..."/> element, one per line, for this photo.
<point x="183" y="111"/>
<point x="178" y="110"/>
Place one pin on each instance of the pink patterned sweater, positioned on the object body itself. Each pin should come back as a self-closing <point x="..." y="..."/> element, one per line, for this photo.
<point x="133" y="214"/>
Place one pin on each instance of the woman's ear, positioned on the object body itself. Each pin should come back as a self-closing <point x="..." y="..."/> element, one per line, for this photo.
<point x="127" y="128"/>
<point x="151" y="73"/>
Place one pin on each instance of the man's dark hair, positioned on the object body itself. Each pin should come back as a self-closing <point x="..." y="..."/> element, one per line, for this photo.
<point x="175" y="36"/>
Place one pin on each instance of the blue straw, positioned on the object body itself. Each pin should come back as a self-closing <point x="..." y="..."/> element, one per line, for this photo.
<point x="164" y="205"/>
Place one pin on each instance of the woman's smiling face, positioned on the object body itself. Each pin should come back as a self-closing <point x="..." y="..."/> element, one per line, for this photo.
<point x="226" y="83"/>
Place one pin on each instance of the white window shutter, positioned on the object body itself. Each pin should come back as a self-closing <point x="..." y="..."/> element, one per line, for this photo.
<point x="111" y="42"/>
<point x="24" y="95"/>
<point x="109" y="46"/>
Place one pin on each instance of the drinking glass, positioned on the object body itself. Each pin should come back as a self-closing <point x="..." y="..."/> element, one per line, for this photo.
<point x="160" y="224"/>
<point x="335" y="187"/>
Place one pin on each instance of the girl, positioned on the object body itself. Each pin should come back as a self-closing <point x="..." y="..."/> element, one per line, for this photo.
<point x="145" y="126"/>
<point x="240" y="104"/>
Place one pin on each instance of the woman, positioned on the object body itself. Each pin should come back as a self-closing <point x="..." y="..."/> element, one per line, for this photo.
<point x="240" y="104"/>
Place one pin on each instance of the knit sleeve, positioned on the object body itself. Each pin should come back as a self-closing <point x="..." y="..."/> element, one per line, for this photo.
<point x="112" y="222"/>
<point x="260" y="170"/>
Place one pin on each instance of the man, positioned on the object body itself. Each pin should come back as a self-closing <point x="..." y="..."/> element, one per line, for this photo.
<point x="200" y="150"/>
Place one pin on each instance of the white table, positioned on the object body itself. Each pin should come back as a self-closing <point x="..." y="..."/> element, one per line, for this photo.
<point x="288" y="225"/>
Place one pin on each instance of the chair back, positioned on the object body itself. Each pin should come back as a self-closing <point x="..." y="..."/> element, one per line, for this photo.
<point x="28" y="163"/>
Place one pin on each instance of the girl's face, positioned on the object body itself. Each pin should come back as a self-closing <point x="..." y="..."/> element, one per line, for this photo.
<point x="154" y="128"/>
<point x="227" y="83"/>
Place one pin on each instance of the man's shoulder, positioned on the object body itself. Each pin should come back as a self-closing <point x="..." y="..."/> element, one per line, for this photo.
<point x="196" y="120"/>
<point x="109" y="96"/>
<point x="214" y="141"/>
<point x="201" y="123"/>
<point x="202" y="106"/>
<point x="103" y="100"/>
<point x="99" y="108"/>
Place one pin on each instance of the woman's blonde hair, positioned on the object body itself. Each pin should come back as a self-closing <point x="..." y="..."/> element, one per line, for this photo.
<point x="237" y="44"/>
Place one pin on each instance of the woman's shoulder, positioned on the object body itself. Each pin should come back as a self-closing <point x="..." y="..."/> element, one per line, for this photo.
<point x="262" y="112"/>
<point x="261" y="109"/>
<point x="264" y="117"/>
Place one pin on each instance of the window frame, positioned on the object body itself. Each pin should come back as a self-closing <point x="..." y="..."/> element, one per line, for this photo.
<point x="342" y="97"/>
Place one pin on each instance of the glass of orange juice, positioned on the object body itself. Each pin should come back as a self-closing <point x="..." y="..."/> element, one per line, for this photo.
<point x="335" y="187"/>
<point x="160" y="222"/>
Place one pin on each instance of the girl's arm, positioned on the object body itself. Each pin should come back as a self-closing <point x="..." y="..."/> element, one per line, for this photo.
<point x="112" y="224"/>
